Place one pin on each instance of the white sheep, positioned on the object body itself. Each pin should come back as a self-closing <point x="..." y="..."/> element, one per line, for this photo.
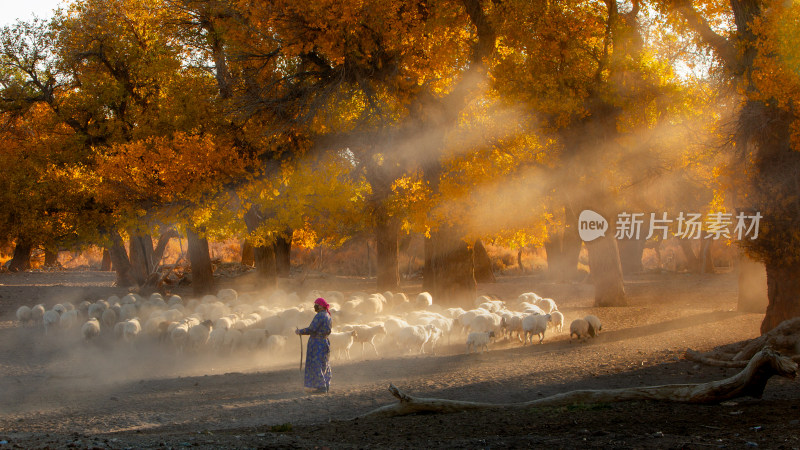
<point x="424" y="300"/>
<point x="412" y="337"/>
<point x="557" y="320"/>
<point x="535" y="324"/>
<point x="50" y="319"/>
<point x="96" y="309"/>
<point x="512" y="322"/>
<point x="342" y="341"/>
<point x="254" y="338"/>
<point x="37" y="313"/>
<point x="69" y="319"/>
<point x="233" y="339"/>
<point x="24" y="314"/>
<point x="479" y="340"/>
<point x="227" y="295"/>
<point x="594" y="325"/>
<point x="548" y="305"/>
<point x="366" y="334"/>
<point x="109" y="318"/>
<point x="90" y="329"/>
<point x="580" y="328"/>
<point x="434" y="335"/>
<point x="131" y="329"/>
<point x="199" y="334"/>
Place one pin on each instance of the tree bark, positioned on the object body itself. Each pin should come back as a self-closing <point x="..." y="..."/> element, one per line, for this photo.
<point x="387" y="231"/>
<point x="105" y="263"/>
<point x="200" y="260"/>
<point x="751" y="381"/>
<point x="630" y="255"/>
<point x="266" y="266"/>
<point x="452" y="269"/>
<point x="263" y="255"/>
<point x="483" y="265"/>
<point x="783" y="289"/>
<point x="248" y="256"/>
<point x="693" y="263"/>
<point x="427" y="267"/>
<point x="606" y="271"/>
<point x="50" y="258"/>
<point x="752" y="282"/>
<point x="141" y="257"/>
<point x="161" y="245"/>
<point x="21" y="260"/>
<point x="283" y="252"/>
<point x="120" y="261"/>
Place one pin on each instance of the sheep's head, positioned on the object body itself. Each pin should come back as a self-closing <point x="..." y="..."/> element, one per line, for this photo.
<point x="207" y="323"/>
<point x="491" y="334"/>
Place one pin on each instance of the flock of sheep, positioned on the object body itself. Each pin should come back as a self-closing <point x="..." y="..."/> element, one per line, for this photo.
<point x="230" y="322"/>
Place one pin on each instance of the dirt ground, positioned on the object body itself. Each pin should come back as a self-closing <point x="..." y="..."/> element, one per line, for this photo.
<point x="57" y="392"/>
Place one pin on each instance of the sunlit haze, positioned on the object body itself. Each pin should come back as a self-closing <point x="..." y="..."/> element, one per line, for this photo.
<point x="14" y="10"/>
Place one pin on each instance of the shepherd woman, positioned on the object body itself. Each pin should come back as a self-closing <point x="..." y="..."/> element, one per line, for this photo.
<point x="318" y="370"/>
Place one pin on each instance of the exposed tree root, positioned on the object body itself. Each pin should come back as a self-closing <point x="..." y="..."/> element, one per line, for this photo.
<point x="751" y="381"/>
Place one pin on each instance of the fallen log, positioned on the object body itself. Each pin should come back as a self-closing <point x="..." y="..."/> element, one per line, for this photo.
<point x="751" y="381"/>
<point x="785" y="336"/>
<point x="716" y="361"/>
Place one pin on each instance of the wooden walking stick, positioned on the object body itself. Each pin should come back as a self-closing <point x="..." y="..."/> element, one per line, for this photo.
<point x="301" y="351"/>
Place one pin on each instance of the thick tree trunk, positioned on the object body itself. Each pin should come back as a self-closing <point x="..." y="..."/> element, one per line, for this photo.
<point x="482" y="263"/>
<point x="750" y="382"/>
<point x="263" y="256"/>
<point x="783" y="289"/>
<point x="706" y="261"/>
<point x="200" y="260"/>
<point x="105" y="263"/>
<point x="248" y="256"/>
<point x="120" y="261"/>
<point x="452" y="269"/>
<point x="266" y="266"/>
<point x="21" y="260"/>
<point x="630" y="255"/>
<point x="752" y="285"/>
<point x="693" y="263"/>
<point x="606" y="271"/>
<point x="141" y="257"/>
<point x="427" y="267"/>
<point x="283" y="252"/>
<point x="50" y="258"/>
<point x="555" y="256"/>
<point x="387" y="230"/>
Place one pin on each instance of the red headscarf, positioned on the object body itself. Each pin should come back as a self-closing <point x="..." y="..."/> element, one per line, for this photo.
<point x="321" y="302"/>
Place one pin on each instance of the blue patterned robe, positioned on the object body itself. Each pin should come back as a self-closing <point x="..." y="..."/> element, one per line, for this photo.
<point x="318" y="369"/>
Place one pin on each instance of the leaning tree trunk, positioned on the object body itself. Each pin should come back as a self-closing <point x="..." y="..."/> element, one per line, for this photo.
<point x="387" y="231"/>
<point x="283" y="252"/>
<point x="752" y="281"/>
<point x="630" y="255"/>
<point x="783" y="289"/>
<point x="606" y="271"/>
<point x="22" y="256"/>
<point x="200" y="260"/>
<point x="452" y="269"/>
<point x="50" y="258"/>
<point x="120" y="261"/>
<point x="750" y="382"/>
